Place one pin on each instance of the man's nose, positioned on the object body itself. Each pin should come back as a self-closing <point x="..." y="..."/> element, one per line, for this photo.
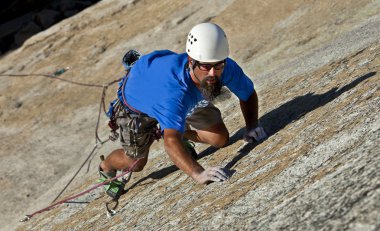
<point x="212" y="71"/>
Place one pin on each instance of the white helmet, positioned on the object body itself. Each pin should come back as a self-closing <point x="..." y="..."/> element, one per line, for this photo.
<point x="207" y="42"/>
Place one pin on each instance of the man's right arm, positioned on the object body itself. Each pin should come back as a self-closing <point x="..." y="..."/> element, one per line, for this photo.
<point x="183" y="160"/>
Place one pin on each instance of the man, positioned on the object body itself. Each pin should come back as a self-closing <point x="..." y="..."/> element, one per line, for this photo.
<point x="176" y="91"/>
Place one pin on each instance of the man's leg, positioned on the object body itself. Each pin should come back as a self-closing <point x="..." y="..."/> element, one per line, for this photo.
<point x="118" y="160"/>
<point x="216" y="135"/>
<point x="208" y="127"/>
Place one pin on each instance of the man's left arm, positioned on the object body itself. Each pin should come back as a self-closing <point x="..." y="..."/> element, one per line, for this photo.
<point x="242" y="86"/>
<point x="250" y="110"/>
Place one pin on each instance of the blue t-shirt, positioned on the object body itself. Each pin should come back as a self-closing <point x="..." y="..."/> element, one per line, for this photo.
<point x="159" y="84"/>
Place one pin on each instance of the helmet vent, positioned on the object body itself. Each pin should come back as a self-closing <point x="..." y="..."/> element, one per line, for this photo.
<point x="192" y="39"/>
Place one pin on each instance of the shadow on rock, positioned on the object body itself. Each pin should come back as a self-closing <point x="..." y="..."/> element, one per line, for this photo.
<point x="155" y="175"/>
<point x="273" y="122"/>
<point x="291" y="111"/>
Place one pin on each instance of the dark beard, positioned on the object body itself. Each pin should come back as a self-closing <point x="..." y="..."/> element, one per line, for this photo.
<point x="210" y="92"/>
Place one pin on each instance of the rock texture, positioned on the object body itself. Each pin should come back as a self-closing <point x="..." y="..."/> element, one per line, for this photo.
<point x="315" y="66"/>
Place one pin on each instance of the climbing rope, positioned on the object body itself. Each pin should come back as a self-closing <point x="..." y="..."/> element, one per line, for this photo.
<point x="28" y="217"/>
<point x="98" y="141"/>
<point x="54" y="76"/>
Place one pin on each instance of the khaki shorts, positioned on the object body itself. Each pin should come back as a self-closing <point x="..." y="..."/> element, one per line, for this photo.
<point x="137" y="144"/>
<point x="137" y="133"/>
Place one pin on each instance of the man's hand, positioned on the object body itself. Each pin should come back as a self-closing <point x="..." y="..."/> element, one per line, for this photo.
<point x="250" y="110"/>
<point x="212" y="174"/>
<point x="183" y="160"/>
<point x="253" y="134"/>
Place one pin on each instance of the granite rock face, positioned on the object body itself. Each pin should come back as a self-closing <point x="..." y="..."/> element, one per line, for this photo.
<point x="315" y="66"/>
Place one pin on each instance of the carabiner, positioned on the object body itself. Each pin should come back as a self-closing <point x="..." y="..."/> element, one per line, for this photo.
<point x="26" y="218"/>
<point x="111" y="212"/>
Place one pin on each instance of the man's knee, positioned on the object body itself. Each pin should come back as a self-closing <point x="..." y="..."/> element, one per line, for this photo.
<point x="217" y="135"/>
<point x="139" y="166"/>
<point x="119" y="160"/>
<point x="221" y="141"/>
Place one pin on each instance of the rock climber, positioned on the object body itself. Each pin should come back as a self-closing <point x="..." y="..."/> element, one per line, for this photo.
<point x="172" y="94"/>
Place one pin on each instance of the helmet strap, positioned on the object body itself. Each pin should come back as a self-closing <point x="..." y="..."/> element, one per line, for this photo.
<point x="192" y="70"/>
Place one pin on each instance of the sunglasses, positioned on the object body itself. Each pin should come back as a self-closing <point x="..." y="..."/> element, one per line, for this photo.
<point x="207" y="66"/>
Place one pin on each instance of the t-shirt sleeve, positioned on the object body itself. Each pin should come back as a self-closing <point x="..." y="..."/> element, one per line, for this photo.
<point x="234" y="78"/>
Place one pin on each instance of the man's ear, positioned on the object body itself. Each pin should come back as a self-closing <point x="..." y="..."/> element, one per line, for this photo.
<point x="190" y="60"/>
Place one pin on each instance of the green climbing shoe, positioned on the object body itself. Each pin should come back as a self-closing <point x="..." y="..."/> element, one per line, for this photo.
<point x="189" y="146"/>
<point x="114" y="188"/>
